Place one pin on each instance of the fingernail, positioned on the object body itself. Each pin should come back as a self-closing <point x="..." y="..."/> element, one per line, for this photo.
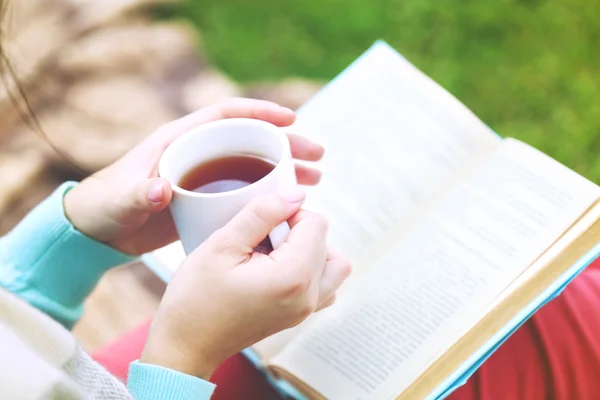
<point x="313" y="141"/>
<point x="287" y="109"/>
<point x="295" y="195"/>
<point x="155" y="194"/>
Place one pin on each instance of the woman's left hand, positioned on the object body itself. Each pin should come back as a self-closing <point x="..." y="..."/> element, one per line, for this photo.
<point x="123" y="205"/>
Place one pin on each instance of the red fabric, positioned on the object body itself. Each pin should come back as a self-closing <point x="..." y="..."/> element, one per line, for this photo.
<point x="117" y="356"/>
<point x="236" y="378"/>
<point x="555" y="355"/>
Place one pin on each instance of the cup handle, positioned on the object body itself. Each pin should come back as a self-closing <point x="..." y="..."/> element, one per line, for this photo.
<point x="279" y="234"/>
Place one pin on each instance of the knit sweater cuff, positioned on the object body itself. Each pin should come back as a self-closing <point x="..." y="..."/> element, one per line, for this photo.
<point x="50" y="263"/>
<point x="147" y="381"/>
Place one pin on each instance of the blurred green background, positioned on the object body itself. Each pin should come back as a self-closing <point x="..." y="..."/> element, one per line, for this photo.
<point x="529" y="68"/>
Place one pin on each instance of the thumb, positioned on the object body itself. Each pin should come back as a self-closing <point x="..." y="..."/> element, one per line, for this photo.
<point x="151" y="195"/>
<point x="251" y="225"/>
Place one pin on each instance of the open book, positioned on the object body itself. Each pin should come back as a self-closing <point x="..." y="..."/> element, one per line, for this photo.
<point x="456" y="236"/>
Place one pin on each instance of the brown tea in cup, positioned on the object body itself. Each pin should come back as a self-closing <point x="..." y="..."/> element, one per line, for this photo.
<point x="226" y="173"/>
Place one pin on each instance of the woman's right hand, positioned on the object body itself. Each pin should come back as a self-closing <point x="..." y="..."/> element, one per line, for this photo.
<point x="226" y="297"/>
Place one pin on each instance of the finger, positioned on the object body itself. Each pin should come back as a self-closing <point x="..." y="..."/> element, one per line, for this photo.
<point x="251" y="225"/>
<point x="232" y="108"/>
<point x="257" y="109"/>
<point x="299" y="216"/>
<point x="333" y="253"/>
<point x="328" y="303"/>
<point x="306" y="175"/>
<point x="305" y="248"/>
<point x="159" y="230"/>
<point x="151" y="195"/>
<point x="337" y="270"/>
<point x="305" y="149"/>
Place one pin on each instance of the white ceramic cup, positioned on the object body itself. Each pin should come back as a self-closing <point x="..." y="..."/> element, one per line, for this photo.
<point x="198" y="215"/>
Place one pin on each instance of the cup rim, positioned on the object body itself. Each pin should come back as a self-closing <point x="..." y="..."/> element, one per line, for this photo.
<point x="164" y="169"/>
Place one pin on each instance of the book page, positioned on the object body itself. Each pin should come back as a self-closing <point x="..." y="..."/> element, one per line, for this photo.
<point x="552" y="253"/>
<point x="540" y="283"/>
<point x="431" y="286"/>
<point x="395" y="140"/>
<point x="165" y="261"/>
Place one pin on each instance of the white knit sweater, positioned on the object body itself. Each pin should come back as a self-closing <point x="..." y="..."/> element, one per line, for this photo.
<point x="40" y="359"/>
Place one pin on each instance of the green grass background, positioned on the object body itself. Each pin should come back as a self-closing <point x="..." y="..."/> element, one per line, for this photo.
<point x="528" y="68"/>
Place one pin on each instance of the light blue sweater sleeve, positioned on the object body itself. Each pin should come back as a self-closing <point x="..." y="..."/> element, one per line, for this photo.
<point x="151" y="382"/>
<point x="54" y="267"/>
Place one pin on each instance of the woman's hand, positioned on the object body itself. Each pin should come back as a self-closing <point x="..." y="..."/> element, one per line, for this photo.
<point x="225" y="296"/>
<point x="124" y="204"/>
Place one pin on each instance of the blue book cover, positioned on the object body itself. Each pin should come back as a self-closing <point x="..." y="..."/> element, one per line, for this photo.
<point x="382" y="57"/>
